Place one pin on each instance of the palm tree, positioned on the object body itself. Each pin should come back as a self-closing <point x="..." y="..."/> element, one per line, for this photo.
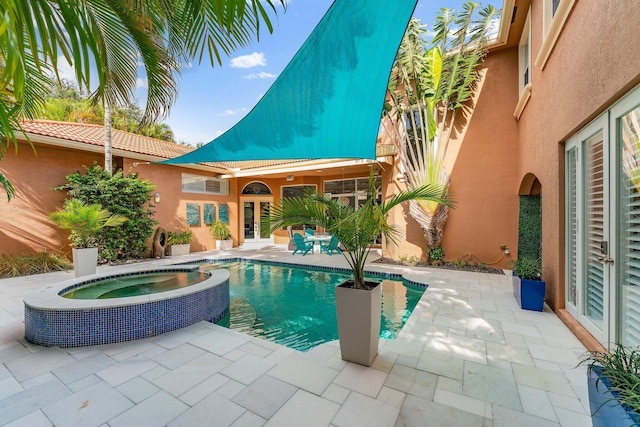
<point x="356" y="229"/>
<point x="428" y="89"/>
<point x="110" y="37"/>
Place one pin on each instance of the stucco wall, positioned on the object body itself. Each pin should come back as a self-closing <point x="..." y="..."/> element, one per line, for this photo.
<point x="484" y="183"/>
<point x="594" y="62"/>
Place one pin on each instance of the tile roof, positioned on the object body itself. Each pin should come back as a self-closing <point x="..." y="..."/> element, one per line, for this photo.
<point x="92" y="134"/>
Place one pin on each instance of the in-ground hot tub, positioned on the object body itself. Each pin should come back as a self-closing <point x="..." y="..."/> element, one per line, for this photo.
<point x="53" y="320"/>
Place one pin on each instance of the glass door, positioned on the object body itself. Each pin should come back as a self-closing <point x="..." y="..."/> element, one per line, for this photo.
<point x="252" y="211"/>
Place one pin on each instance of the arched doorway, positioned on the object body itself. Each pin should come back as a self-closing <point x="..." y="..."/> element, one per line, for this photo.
<point x="530" y="218"/>
<point x="255" y="200"/>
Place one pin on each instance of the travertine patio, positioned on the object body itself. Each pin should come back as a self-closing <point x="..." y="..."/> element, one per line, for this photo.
<point x="468" y="356"/>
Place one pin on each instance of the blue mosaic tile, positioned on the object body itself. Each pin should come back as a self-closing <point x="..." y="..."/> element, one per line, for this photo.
<point x="106" y="325"/>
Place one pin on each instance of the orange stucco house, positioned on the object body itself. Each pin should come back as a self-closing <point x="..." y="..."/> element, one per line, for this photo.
<point x="557" y="115"/>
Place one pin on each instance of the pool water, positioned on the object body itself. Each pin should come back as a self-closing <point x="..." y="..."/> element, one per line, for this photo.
<point x="296" y="307"/>
<point x="137" y="284"/>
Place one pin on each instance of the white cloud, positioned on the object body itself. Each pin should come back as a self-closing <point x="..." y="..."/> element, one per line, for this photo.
<point x="249" y="61"/>
<point x="233" y="112"/>
<point x="65" y="70"/>
<point x="260" y="75"/>
<point x="140" y="83"/>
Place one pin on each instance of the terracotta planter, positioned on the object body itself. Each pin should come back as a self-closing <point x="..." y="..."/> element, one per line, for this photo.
<point x="529" y="293"/>
<point x="85" y="261"/>
<point x="359" y="313"/>
<point x="177" y="250"/>
<point x="606" y="411"/>
<point x="224" y="245"/>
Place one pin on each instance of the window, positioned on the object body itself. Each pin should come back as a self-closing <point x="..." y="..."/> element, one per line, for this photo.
<point x="602" y="191"/>
<point x="350" y="191"/>
<point x="524" y="59"/>
<point x="524" y="54"/>
<point x="204" y="184"/>
<point x="296" y="190"/>
<point x="554" y="16"/>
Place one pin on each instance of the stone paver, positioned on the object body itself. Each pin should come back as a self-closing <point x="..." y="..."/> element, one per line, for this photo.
<point x="468" y="356"/>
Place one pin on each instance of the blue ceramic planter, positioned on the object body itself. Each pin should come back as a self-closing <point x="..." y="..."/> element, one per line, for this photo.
<point x="606" y="411"/>
<point x="529" y="293"/>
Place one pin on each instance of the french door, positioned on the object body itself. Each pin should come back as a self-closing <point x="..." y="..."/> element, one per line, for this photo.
<point x="253" y="209"/>
<point x="602" y="276"/>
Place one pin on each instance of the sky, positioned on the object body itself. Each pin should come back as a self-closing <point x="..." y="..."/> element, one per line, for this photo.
<point x="212" y="100"/>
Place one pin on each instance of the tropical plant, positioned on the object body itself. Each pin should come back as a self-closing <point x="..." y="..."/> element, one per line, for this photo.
<point x="84" y="221"/>
<point x="621" y="368"/>
<point x="220" y="231"/>
<point x="179" y="238"/>
<point x="429" y="88"/>
<point x="527" y="268"/>
<point x="436" y="254"/>
<point x="356" y="229"/>
<point x="126" y="195"/>
<point x="110" y="39"/>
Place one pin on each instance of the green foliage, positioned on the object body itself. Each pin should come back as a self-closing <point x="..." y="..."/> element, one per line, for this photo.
<point x="128" y="196"/>
<point x="27" y="264"/>
<point x="356" y="229"/>
<point x="527" y="268"/>
<point x="411" y="260"/>
<point x="622" y="368"/>
<point x="436" y="254"/>
<point x="84" y="221"/>
<point x="112" y="41"/>
<point x="179" y="238"/>
<point x="220" y="231"/>
<point x="530" y="227"/>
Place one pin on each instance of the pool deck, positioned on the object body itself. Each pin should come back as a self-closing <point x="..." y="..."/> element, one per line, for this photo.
<point x="468" y="356"/>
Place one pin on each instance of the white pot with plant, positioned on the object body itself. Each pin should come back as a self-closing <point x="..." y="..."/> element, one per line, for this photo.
<point x="84" y="222"/>
<point x="222" y="235"/>
<point x="179" y="242"/>
<point x="358" y="300"/>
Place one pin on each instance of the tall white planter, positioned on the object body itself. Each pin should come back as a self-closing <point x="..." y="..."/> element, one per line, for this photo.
<point x="224" y="245"/>
<point x="359" y="313"/>
<point x="85" y="261"/>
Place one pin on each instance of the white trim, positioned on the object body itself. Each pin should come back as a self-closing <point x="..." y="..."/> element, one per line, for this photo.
<point x="522" y="102"/>
<point x="552" y="31"/>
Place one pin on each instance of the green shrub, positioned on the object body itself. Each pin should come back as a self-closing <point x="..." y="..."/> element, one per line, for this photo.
<point x="436" y="254"/>
<point x="128" y="196"/>
<point x="220" y="231"/>
<point x="26" y="264"/>
<point x="527" y="268"/>
<point x="622" y="368"/>
<point x="179" y="238"/>
<point x="530" y="227"/>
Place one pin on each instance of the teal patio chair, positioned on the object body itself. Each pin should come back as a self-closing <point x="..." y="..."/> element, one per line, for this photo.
<point x="301" y="245"/>
<point x="309" y="232"/>
<point x="331" y="246"/>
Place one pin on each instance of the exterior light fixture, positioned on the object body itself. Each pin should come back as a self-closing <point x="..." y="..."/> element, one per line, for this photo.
<point x="156" y="197"/>
<point x="289" y="178"/>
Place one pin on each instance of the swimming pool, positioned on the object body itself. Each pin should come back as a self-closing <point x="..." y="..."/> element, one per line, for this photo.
<point x="296" y="306"/>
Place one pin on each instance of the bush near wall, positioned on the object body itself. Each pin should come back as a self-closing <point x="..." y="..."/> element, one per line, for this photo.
<point x="530" y="227"/>
<point x="125" y="195"/>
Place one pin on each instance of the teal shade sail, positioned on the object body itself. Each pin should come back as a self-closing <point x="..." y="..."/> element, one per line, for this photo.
<point x="327" y="102"/>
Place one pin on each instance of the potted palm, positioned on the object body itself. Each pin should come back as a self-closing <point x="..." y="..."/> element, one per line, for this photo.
<point x="358" y="300"/>
<point x="179" y="242"/>
<point x="528" y="286"/>
<point x="613" y="381"/>
<point x="84" y="221"/>
<point x="222" y="235"/>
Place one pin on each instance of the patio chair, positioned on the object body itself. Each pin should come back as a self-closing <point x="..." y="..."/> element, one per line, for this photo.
<point x="292" y="244"/>
<point x="331" y="246"/>
<point x="309" y="232"/>
<point x="301" y="245"/>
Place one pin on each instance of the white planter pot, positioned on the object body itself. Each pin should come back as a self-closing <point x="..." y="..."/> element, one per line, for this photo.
<point x="359" y="313"/>
<point x="224" y="245"/>
<point x="85" y="261"/>
<point x="177" y="250"/>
